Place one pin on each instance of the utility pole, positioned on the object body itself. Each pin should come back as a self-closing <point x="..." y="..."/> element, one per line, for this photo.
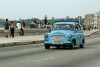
<point x="45" y="20"/>
<point x="79" y="18"/>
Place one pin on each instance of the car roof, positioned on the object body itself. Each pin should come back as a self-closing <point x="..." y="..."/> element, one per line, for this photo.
<point x="73" y="23"/>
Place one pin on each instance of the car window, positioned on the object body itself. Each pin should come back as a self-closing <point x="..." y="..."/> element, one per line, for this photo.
<point x="63" y="27"/>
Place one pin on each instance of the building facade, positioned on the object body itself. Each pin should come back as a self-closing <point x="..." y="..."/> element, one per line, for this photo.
<point x="93" y="19"/>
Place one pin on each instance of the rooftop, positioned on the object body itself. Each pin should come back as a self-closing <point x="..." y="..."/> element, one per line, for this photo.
<point x="73" y="23"/>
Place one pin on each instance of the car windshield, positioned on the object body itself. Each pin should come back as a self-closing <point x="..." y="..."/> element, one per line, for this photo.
<point x="63" y="27"/>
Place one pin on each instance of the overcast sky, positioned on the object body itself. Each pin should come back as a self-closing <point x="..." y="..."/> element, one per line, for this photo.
<point x="15" y="9"/>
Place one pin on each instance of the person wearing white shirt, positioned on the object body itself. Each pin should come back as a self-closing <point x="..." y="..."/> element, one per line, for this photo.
<point x="18" y="25"/>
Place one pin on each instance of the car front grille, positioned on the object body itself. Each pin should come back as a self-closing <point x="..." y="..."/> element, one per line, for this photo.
<point x="57" y="37"/>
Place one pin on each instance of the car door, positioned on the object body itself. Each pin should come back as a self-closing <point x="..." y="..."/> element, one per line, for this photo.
<point x="80" y="34"/>
<point x="77" y="35"/>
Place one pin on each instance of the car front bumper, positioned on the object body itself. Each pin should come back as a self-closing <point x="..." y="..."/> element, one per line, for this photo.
<point x="64" y="44"/>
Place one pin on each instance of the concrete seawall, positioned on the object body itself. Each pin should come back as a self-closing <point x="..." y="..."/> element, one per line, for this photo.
<point x="27" y="31"/>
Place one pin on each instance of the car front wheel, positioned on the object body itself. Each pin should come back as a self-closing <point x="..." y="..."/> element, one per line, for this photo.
<point x="47" y="47"/>
<point x="72" y="46"/>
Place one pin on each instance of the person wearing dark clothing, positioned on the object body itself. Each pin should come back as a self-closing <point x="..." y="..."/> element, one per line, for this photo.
<point x="89" y="27"/>
<point x="21" y="31"/>
<point x="22" y="27"/>
<point x="12" y="29"/>
<point x="45" y="21"/>
<point x="84" y="28"/>
<point x="23" y="24"/>
<point x="6" y="28"/>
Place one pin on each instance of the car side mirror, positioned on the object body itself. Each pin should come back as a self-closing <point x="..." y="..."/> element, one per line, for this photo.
<point x="75" y="29"/>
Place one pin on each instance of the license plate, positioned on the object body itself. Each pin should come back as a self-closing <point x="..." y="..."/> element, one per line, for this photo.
<point x="57" y="41"/>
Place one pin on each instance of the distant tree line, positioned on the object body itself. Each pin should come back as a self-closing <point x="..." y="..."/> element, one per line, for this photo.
<point x="42" y="21"/>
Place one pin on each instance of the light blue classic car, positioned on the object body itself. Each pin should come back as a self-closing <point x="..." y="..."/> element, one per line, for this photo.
<point x="64" y="34"/>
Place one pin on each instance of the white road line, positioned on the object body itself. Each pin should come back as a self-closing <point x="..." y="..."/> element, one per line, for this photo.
<point x="30" y="61"/>
<point x="43" y="59"/>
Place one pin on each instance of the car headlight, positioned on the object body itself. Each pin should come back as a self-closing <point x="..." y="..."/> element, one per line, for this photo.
<point x="69" y="35"/>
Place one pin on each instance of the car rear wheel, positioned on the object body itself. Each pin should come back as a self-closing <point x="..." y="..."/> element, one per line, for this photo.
<point x="82" y="45"/>
<point x="47" y="47"/>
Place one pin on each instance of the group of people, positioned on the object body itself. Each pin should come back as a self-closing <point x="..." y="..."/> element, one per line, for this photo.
<point x="11" y="27"/>
<point x="88" y="27"/>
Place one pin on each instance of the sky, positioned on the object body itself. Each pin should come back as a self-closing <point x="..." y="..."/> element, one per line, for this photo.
<point x="26" y="9"/>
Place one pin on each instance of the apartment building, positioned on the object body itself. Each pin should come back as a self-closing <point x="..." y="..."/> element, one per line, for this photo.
<point x="93" y="19"/>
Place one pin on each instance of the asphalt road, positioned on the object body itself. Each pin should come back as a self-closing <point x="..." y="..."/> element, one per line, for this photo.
<point x="37" y="56"/>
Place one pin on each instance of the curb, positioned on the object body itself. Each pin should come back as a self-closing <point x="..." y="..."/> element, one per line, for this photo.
<point x="91" y="33"/>
<point x="20" y="43"/>
<point x="94" y="32"/>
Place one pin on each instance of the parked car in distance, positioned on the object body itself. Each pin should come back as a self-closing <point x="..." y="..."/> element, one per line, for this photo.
<point x="64" y="34"/>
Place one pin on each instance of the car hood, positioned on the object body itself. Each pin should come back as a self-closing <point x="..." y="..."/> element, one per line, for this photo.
<point x="61" y="32"/>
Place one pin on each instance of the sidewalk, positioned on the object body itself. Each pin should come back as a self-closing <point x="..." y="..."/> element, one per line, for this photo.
<point x="89" y="33"/>
<point x="35" y="39"/>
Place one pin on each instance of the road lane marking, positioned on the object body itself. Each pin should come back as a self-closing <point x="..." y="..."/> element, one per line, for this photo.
<point x="30" y="61"/>
<point x="43" y="59"/>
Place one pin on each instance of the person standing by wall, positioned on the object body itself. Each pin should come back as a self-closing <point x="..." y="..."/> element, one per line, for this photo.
<point x="12" y="29"/>
<point x="6" y="28"/>
<point x="18" y="25"/>
<point x="22" y="28"/>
